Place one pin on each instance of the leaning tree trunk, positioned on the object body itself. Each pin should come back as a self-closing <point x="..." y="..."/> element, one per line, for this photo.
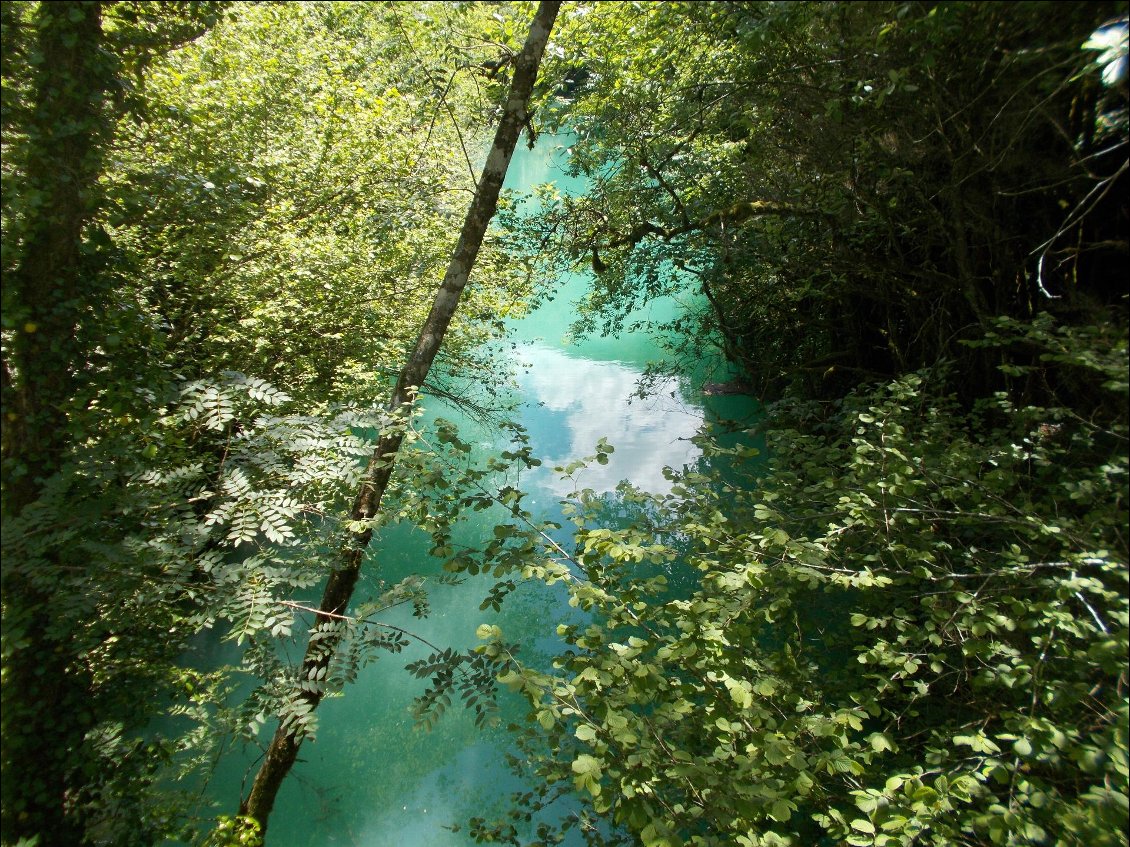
<point x="284" y="746"/>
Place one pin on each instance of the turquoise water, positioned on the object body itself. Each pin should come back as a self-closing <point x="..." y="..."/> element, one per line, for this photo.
<point x="371" y="779"/>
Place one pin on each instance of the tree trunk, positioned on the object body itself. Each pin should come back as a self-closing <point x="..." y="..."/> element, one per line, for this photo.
<point x="45" y="690"/>
<point x="45" y="292"/>
<point x="284" y="746"/>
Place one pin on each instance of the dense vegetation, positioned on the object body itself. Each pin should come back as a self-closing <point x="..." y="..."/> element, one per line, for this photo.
<point x="222" y="228"/>
<point x="202" y="204"/>
<point x="909" y="225"/>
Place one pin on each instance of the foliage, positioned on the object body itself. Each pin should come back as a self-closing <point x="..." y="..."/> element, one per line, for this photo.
<point x="222" y="225"/>
<point x="63" y="85"/>
<point x="910" y="629"/>
<point x="194" y="525"/>
<point x="254" y="196"/>
<point x="226" y="509"/>
<point x="235" y="832"/>
<point x="855" y="188"/>
<point x="314" y="164"/>
<point x="911" y="626"/>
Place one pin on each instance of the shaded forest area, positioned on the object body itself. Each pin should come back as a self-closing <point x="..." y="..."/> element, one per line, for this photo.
<point x="906" y="225"/>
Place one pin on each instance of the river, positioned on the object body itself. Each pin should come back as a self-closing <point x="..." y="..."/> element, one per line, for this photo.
<point x="371" y="779"/>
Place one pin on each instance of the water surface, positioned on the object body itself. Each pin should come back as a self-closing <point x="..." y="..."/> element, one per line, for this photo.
<point x="371" y="779"/>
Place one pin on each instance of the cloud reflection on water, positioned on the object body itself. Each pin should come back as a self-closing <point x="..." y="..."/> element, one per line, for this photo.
<point x="588" y="400"/>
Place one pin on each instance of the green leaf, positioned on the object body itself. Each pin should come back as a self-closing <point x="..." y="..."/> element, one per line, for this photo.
<point x="880" y="741"/>
<point x="585" y="732"/>
<point x="586" y="764"/>
<point x="781" y="810"/>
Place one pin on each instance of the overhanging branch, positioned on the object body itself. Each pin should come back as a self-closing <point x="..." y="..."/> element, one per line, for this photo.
<point x="735" y="214"/>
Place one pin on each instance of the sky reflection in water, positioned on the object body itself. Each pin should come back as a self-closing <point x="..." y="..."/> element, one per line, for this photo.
<point x="575" y="402"/>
